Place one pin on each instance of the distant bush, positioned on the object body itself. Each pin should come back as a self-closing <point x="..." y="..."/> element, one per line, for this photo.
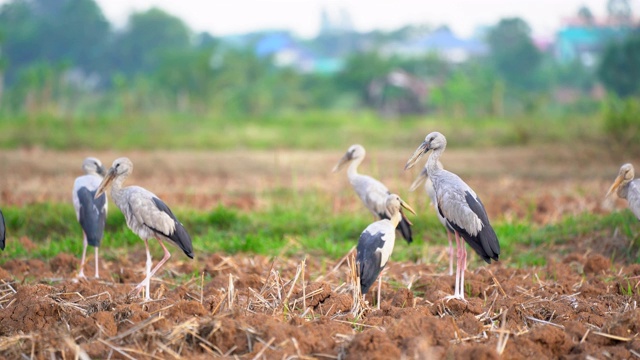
<point x="622" y="121"/>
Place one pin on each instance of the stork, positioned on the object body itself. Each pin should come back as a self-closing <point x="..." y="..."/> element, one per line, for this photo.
<point x="376" y="244"/>
<point x="146" y="215"/>
<point x="371" y="191"/>
<point x="2" y="231"/>
<point x="627" y="188"/>
<point x="431" y="192"/>
<point x="91" y="211"/>
<point x="460" y="207"/>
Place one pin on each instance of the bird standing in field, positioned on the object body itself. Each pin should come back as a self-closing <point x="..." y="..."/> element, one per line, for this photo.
<point x="376" y="243"/>
<point x="627" y="188"/>
<point x="2" y="231"/>
<point x="460" y="207"/>
<point x="431" y="192"/>
<point x="147" y="216"/>
<point x="371" y="191"/>
<point x="91" y="211"/>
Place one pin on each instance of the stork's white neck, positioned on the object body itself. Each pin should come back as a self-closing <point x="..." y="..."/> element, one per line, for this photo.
<point x="353" y="167"/>
<point x="432" y="162"/>
<point x="396" y="218"/>
<point x="116" y="187"/>
<point x="623" y="189"/>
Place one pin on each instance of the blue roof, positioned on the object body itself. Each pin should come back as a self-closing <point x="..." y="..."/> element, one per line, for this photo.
<point x="273" y="43"/>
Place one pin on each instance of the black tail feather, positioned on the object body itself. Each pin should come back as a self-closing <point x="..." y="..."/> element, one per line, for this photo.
<point x="404" y="226"/>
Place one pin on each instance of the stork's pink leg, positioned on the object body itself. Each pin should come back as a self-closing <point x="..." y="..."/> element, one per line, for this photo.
<point x="97" y="273"/>
<point x="459" y="264"/>
<point x="464" y="268"/>
<point x="450" y="253"/>
<point x="84" y="255"/>
<point x="145" y="283"/>
<point x="166" y="257"/>
<point x="379" y="288"/>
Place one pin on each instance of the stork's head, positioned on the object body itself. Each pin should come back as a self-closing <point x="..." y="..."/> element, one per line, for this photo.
<point x="120" y="167"/>
<point x="394" y="204"/>
<point x="433" y="141"/>
<point x="625" y="174"/>
<point x="93" y="166"/>
<point x="355" y="152"/>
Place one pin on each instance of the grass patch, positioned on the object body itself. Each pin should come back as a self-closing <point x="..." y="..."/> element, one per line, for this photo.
<point x="305" y="130"/>
<point x="305" y="225"/>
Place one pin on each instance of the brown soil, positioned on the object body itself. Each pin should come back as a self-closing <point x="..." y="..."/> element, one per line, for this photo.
<point x="556" y="311"/>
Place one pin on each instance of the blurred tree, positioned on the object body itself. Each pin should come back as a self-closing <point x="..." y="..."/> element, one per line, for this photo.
<point x="148" y="37"/>
<point x="619" y="10"/>
<point x="515" y="57"/>
<point x="361" y="69"/>
<point x="73" y="31"/>
<point x="585" y="14"/>
<point x="619" y="69"/>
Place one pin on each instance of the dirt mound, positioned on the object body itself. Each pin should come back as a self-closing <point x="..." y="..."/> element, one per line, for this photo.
<point x="580" y="306"/>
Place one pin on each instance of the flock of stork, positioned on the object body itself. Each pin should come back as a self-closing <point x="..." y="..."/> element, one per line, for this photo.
<point x="457" y="206"/>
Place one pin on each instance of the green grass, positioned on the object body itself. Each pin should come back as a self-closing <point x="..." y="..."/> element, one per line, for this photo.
<point x="308" y="130"/>
<point x="303" y="224"/>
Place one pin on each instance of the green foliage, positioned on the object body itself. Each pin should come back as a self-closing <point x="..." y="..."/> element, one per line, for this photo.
<point x="622" y="121"/>
<point x="513" y="53"/>
<point x="619" y="69"/>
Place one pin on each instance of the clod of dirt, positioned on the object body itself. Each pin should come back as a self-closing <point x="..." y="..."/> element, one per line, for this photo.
<point x="106" y="323"/>
<point x="323" y="290"/>
<point x="596" y="263"/>
<point x="32" y="310"/>
<point x="479" y="352"/>
<point x="336" y="303"/>
<point x="402" y="298"/>
<point x="63" y="263"/>
<point x="185" y="309"/>
<point x="373" y="345"/>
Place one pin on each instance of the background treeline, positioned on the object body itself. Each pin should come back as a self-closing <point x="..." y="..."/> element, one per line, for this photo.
<point x="62" y="62"/>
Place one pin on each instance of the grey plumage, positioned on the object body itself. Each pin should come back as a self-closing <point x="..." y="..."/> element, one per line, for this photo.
<point x="459" y="206"/>
<point x="626" y="187"/>
<point x="376" y="243"/>
<point x="91" y="212"/>
<point x="146" y="215"/>
<point x="431" y="192"/>
<point x="372" y="192"/>
<point x="2" y="231"/>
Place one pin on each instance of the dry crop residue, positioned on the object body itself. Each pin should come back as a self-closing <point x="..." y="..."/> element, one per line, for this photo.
<point x="251" y="307"/>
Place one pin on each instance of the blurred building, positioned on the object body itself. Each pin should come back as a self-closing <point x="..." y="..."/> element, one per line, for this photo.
<point x="583" y="38"/>
<point x="441" y="42"/>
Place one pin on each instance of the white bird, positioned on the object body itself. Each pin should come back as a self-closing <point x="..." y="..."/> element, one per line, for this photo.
<point x="146" y="215"/>
<point x="371" y="191"/>
<point x="461" y="208"/>
<point x="2" y="231"/>
<point x="627" y="188"/>
<point x="91" y="212"/>
<point x="376" y="243"/>
<point x="431" y="192"/>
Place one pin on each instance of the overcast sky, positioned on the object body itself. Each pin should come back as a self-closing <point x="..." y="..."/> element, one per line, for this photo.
<point x="224" y="17"/>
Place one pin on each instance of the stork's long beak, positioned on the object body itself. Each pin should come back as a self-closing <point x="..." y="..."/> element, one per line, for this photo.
<point x="421" y="150"/>
<point x="615" y="185"/>
<point x="111" y="174"/>
<point x="419" y="180"/>
<point x="345" y="159"/>
<point x="101" y="170"/>
<point x="406" y="206"/>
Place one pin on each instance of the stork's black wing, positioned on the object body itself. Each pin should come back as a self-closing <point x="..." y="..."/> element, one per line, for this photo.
<point x="92" y="215"/>
<point x="179" y="236"/>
